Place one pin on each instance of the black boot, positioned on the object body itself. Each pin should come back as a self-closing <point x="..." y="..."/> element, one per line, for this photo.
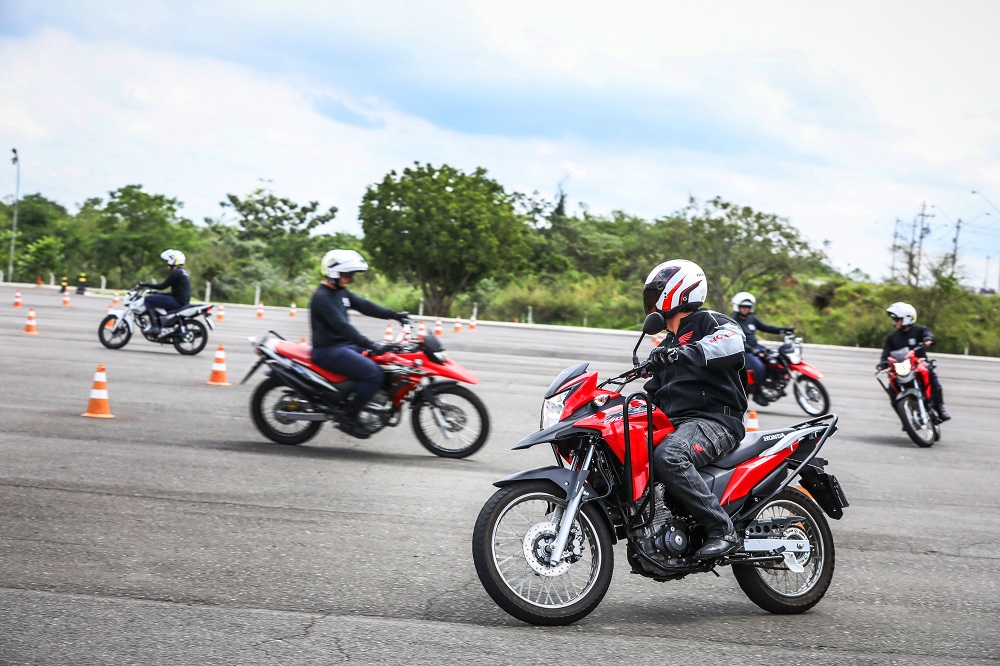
<point x="718" y="546"/>
<point x="938" y="398"/>
<point x="347" y="421"/>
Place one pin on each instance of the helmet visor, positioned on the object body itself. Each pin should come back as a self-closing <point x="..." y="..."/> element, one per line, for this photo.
<point x="651" y="295"/>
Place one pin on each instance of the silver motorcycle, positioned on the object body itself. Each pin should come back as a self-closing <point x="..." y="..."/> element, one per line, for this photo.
<point x="181" y="328"/>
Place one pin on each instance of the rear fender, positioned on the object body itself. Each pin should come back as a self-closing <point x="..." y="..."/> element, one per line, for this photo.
<point x="810" y="371"/>
<point x="567" y="483"/>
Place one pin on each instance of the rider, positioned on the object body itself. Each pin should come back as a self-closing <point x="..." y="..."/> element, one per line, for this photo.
<point x="743" y="307"/>
<point x="180" y="290"/>
<point x="904" y="316"/>
<point x="337" y="345"/>
<point x="696" y="382"/>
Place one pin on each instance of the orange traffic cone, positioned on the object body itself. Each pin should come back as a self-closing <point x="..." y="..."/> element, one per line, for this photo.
<point x="657" y="339"/>
<point x="472" y="322"/>
<point x="291" y="313"/>
<point x="421" y="331"/>
<point x="115" y="301"/>
<point x="66" y="299"/>
<point x="98" y="406"/>
<point x="260" y="310"/>
<point x="438" y="329"/>
<point x="17" y="298"/>
<point x="388" y="332"/>
<point x="750" y="422"/>
<point x="29" y="328"/>
<point x="218" y="377"/>
<point x="304" y="340"/>
<point x="222" y="312"/>
<point x="111" y="322"/>
<point x="458" y="326"/>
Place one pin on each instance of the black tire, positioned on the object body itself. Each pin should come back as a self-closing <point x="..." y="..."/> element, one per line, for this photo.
<point x="115" y="337"/>
<point x="467" y="422"/>
<point x="909" y="414"/>
<point x="492" y="541"/>
<point x="811" y="396"/>
<point x="271" y="394"/>
<point x="761" y="582"/>
<point x="195" y="339"/>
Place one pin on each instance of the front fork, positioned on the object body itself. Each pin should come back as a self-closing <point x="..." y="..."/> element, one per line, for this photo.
<point x="575" y="496"/>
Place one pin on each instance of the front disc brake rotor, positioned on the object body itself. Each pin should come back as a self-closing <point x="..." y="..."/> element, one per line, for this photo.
<point x="538" y="542"/>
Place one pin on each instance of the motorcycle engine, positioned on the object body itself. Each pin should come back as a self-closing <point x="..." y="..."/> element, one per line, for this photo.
<point x="377" y="412"/>
<point x="666" y="537"/>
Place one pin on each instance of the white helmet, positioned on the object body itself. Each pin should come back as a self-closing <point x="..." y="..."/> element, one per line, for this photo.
<point x="903" y="311"/>
<point x="336" y="262"/>
<point x="173" y="257"/>
<point x="744" y="298"/>
<point x="674" y="284"/>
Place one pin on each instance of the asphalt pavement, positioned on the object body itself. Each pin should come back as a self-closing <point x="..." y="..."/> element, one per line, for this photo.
<point x="175" y="533"/>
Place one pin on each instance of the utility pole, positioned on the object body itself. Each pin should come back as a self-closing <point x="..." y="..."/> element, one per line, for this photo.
<point x="17" y="196"/>
<point x="954" y="250"/>
<point x="924" y="230"/>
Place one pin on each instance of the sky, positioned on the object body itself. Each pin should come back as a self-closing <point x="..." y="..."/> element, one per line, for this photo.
<point x="841" y="117"/>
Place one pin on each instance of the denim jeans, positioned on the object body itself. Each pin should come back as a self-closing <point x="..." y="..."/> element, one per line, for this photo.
<point x="676" y="460"/>
<point x="347" y="360"/>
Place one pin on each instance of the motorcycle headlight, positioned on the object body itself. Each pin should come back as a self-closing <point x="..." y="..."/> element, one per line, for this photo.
<point x="552" y="409"/>
<point x="902" y="368"/>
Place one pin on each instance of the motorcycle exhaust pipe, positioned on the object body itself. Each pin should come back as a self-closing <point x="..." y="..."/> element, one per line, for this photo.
<point x="300" y="416"/>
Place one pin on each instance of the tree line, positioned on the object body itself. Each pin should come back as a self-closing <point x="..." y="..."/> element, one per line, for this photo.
<point x="451" y="238"/>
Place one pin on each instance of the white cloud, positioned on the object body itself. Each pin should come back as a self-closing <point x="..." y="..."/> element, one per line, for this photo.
<point x="884" y="109"/>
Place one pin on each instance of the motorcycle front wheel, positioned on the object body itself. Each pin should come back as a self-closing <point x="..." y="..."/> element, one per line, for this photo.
<point x="270" y="400"/>
<point x="921" y="433"/>
<point x="811" y="396"/>
<point x="513" y="535"/>
<point x="193" y="340"/>
<point x="453" y="423"/>
<point x="772" y="585"/>
<point x="114" y="333"/>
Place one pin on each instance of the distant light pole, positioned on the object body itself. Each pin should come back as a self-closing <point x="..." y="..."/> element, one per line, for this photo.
<point x="17" y="195"/>
<point x="987" y="200"/>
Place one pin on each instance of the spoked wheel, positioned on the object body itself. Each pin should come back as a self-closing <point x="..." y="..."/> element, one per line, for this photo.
<point x="510" y="545"/>
<point x="811" y="396"/>
<point x="272" y="404"/>
<point x="193" y="340"/>
<point x="452" y="423"/>
<point x="772" y="585"/>
<point x="920" y="430"/>
<point x="114" y="333"/>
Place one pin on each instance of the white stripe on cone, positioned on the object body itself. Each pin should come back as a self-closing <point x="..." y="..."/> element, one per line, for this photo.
<point x="99" y="393"/>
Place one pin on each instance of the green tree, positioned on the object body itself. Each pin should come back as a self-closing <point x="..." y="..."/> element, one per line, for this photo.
<point x="282" y="226"/>
<point x="442" y="228"/>
<point x="739" y="248"/>
<point x="132" y="229"/>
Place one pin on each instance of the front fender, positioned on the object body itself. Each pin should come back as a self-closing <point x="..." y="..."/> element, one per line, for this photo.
<point x="810" y="371"/>
<point x="123" y="314"/>
<point x="567" y="481"/>
<point x="912" y="390"/>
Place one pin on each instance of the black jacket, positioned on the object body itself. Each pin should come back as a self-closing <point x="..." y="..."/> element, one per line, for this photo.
<point x="909" y="338"/>
<point x="328" y="317"/>
<point x="750" y="325"/>
<point x="180" y="285"/>
<point x="705" y="381"/>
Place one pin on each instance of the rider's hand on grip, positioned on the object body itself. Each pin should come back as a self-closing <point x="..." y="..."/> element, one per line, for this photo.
<point x="403" y="317"/>
<point x="882" y="366"/>
<point x="928" y="342"/>
<point x="661" y="357"/>
<point x="380" y="348"/>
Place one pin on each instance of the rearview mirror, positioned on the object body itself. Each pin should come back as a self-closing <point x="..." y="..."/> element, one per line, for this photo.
<point x="653" y="323"/>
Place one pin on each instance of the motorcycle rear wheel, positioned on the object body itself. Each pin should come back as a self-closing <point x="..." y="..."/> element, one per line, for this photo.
<point x="772" y="585"/>
<point x="115" y="337"/>
<point x="272" y="395"/>
<point x="811" y="396"/>
<point x="515" y="524"/>
<point x="455" y="424"/>
<point x="909" y="413"/>
<point x="193" y="341"/>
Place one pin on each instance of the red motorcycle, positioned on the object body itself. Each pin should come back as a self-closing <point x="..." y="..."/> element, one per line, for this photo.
<point x="296" y="399"/>
<point x="909" y="389"/>
<point x="785" y="365"/>
<point x="542" y="543"/>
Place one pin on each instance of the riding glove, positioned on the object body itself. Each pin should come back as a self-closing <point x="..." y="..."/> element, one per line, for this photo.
<point x="661" y="357"/>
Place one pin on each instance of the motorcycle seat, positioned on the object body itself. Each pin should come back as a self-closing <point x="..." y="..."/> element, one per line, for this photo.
<point x="302" y="353"/>
<point x="752" y="445"/>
